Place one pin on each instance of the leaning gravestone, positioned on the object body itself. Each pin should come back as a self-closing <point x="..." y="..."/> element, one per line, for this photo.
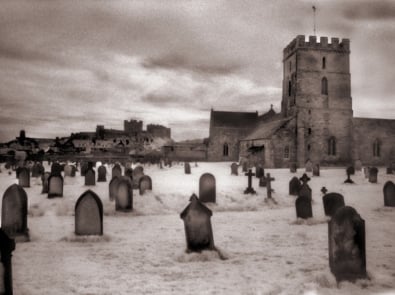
<point x="332" y="202"/>
<point x="187" y="168"/>
<point x="294" y="186"/>
<point x="207" y="190"/>
<point x="116" y="171"/>
<point x="124" y="196"/>
<point x="56" y="169"/>
<point x="145" y="183"/>
<point x="389" y="194"/>
<point x="316" y="170"/>
<point x="373" y="171"/>
<point x="309" y="166"/>
<point x="90" y="178"/>
<point x="7" y="245"/>
<point x="14" y="213"/>
<point x="24" y="177"/>
<point x="55" y="186"/>
<point x="44" y="181"/>
<point x="101" y="174"/>
<point x="346" y="237"/>
<point x="234" y="169"/>
<point x="113" y="187"/>
<point x="197" y="224"/>
<point x="89" y="214"/>
<point x="303" y="207"/>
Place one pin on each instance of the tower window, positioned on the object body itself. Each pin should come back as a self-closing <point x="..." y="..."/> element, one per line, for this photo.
<point x="286" y="152"/>
<point x="324" y="86"/>
<point x="332" y="146"/>
<point x="309" y="131"/>
<point x="225" y="150"/>
<point x="376" y="148"/>
<point x="289" y="88"/>
<point x="324" y="62"/>
<point x="290" y="65"/>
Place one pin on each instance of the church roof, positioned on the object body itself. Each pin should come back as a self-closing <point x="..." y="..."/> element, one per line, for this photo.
<point x="233" y="119"/>
<point x="266" y="130"/>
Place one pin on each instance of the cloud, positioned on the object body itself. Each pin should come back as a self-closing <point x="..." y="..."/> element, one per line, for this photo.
<point x="370" y="10"/>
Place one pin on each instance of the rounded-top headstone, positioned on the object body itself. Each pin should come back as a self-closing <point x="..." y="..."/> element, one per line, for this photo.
<point x="89" y="214"/>
<point x="389" y="194"/>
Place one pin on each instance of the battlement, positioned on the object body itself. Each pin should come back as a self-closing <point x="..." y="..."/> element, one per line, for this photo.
<point x="300" y="42"/>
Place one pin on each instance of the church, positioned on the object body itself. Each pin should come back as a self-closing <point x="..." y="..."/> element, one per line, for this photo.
<point x="316" y="121"/>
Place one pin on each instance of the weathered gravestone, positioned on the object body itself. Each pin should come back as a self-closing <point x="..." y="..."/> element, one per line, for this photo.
<point x="358" y="165"/>
<point x="14" y="213"/>
<point x="24" y="177"/>
<point x="124" y="196"/>
<point x="207" y="188"/>
<point x="259" y="171"/>
<point x="346" y="237"/>
<point x="90" y="178"/>
<point x="129" y="173"/>
<point x="116" y="171"/>
<point x="7" y="245"/>
<point x="145" y="183"/>
<point x="102" y="174"/>
<point x="293" y="167"/>
<point x="84" y="168"/>
<point x="113" y="187"/>
<point x="197" y="224"/>
<point x="89" y="214"/>
<point x="389" y="194"/>
<point x="303" y="207"/>
<point x="309" y="166"/>
<point x="44" y="182"/>
<point x="67" y="170"/>
<point x="316" y="170"/>
<point x="349" y="171"/>
<point x="294" y="186"/>
<point x="332" y="202"/>
<point x="56" y="169"/>
<point x="305" y="190"/>
<point x="234" y="169"/>
<point x="373" y="171"/>
<point x="250" y="189"/>
<point x="138" y="172"/>
<point x="187" y="168"/>
<point x="55" y="186"/>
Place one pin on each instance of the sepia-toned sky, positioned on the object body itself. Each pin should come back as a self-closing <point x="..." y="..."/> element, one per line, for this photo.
<point x="66" y="66"/>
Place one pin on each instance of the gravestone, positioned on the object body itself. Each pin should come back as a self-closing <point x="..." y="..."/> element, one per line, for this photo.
<point x="316" y="170"/>
<point x="113" y="187"/>
<point x="124" y="196"/>
<point x="259" y="172"/>
<point x="234" y="169"/>
<point x="89" y="214"/>
<point x="7" y="245"/>
<point x="324" y="190"/>
<point x="137" y="174"/>
<point x="129" y="173"/>
<point x="358" y="165"/>
<point x="24" y="177"/>
<point x="389" y="170"/>
<point x="245" y="166"/>
<point x="303" y="207"/>
<point x="44" y="181"/>
<point x="373" y="171"/>
<point x="197" y="225"/>
<point x="332" y="202"/>
<point x="67" y="170"/>
<point x="346" y="238"/>
<point x="73" y="171"/>
<point x="207" y="188"/>
<point x="366" y="171"/>
<point x="56" y="169"/>
<point x="249" y="189"/>
<point x="14" y="213"/>
<point x="187" y="168"/>
<point x="145" y="183"/>
<point x="102" y="174"/>
<point x="90" y="178"/>
<point x="269" y="189"/>
<point x="116" y="171"/>
<point x="309" y="166"/>
<point x="84" y="168"/>
<point x="294" y="186"/>
<point x="349" y="171"/>
<point x="293" y="167"/>
<point x="55" y="186"/>
<point x="305" y="190"/>
<point x="139" y="169"/>
<point x="262" y="181"/>
<point x="389" y="194"/>
<point x="37" y="170"/>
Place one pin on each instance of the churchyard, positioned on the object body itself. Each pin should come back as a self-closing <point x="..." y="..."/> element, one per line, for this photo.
<point x="78" y="240"/>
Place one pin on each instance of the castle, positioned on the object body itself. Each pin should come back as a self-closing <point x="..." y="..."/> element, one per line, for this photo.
<point x="316" y="121"/>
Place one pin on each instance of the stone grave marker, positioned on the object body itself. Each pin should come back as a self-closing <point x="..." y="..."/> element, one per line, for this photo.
<point x="67" y="170"/>
<point x="309" y="166"/>
<point x="303" y="207"/>
<point x="56" y="169"/>
<point x="139" y="169"/>
<point x="102" y="174"/>
<point x="332" y="202"/>
<point x="389" y="194"/>
<point x="7" y="245"/>
<point x="234" y="169"/>
<point x="129" y="173"/>
<point x="358" y="165"/>
<point x="73" y="171"/>
<point x="197" y="224"/>
<point x="37" y="170"/>
<point x="293" y="168"/>
<point x="373" y="171"/>
<point x="138" y="172"/>
<point x="207" y="188"/>
<point x="84" y="168"/>
<point x="269" y="189"/>
<point x="24" y="177"/>
<point x="44" y="182"/>
<point x="316" y="170"/>
<point x="249" y="189"/>
<point x="349" y="171"/>
<point x="124" y="196"/>
<point x="294" y="186"/>
<point x="259" y="171"/>
<point x="14" y="213"/>
<point x="90" y="178"/>
<point x="346" y="237"/>
<point x="145" y="183"/>
<point x="324" y="190"/>
<point x="113" y="187"/>
<point x="89" y="214"/>
<point x="116" y="171"/>
<point x="305" y="190"/>
<point x="262" y="181"/>
<point x="55" y="186"/>
<point x="187" y="168"/>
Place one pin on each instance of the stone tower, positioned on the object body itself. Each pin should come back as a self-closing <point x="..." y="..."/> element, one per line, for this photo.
<point x="317" y="92"/>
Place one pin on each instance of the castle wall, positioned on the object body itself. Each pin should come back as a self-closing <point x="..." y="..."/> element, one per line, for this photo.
<point x="158" y="131"/>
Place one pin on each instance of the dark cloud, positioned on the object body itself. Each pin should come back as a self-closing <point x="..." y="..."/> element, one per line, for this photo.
<point x="370" y="10"/>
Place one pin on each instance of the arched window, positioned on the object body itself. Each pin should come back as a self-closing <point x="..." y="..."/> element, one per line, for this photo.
<point x="324" y="86"/>
<point x="286" y="152"/>
<point x="324" y="62"/>
<point x="332" y="146"/>
<point x="289" y="88"/>
<point x="225" y="150"/>
<point x="376" y="148"/>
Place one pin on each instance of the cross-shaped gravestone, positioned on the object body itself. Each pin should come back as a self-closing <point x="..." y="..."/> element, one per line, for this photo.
<point x="249" y="189"/>
<point x="324" y="190"/>
<point x="304" y="179"/>
<point x="269" y="185"/>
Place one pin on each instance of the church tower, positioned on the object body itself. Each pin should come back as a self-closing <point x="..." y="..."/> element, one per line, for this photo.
<point x="317" y="93"/>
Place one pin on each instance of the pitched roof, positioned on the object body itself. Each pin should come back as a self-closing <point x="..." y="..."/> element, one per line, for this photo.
<point x="266" y="130"/>
<point x="233" y="119"/>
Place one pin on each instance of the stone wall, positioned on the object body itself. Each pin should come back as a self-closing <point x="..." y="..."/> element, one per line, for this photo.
<point x="221" y="135"/>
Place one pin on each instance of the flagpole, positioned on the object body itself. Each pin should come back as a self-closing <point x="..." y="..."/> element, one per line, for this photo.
<point x="314" y="18"/>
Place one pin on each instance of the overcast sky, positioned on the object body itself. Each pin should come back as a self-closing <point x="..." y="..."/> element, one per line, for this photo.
<point x="66" y="66"/>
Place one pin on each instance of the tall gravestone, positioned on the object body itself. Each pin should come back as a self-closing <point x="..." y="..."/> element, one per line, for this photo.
<point x="187" y="168"/>
<point x="309" y="166"/>
<point x="316" y="170"/>
<point x="84" y="168"/>
<point x="7" y="245"/>
<point x="197" y="225"/>
<point x="234" y="169"/>
<point x="113" y="187"/>
<point x="14" y="213"/>
<point x="56" y="169"/>
<point x="102" y="174"/>
<point x="305" y="190"/>
<point x="145" y="183"/>
<point x="346" y="238"/>
<point x="89" y="214"/>
<point x="44" y="182"/>
<point x="90" y="178"/>
<point x="55" y="186"/>
<point x="389" y="194"/>
<point x="259" y="171"/>
<point x="303" y="207"/>
<point x="124" y="196"/>
<point x="24" y="177"/>
<point x="294" y="186"/>
<point x="332" y="202"/>
<point x="207" y="189"/>
<point x="373" y="171"/>
<point x="116" y="171"/>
